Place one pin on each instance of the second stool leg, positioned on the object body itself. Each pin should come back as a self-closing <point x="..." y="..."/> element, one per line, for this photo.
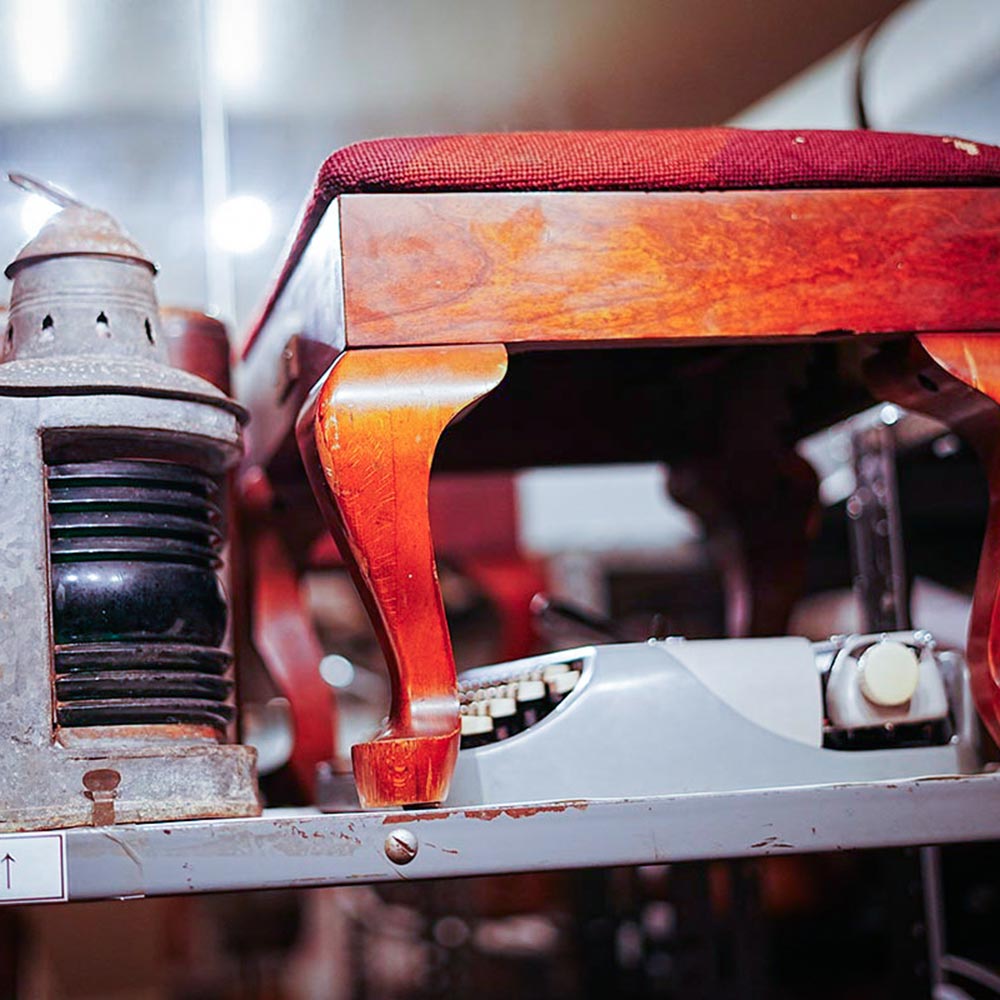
<point x="955" y="377"/>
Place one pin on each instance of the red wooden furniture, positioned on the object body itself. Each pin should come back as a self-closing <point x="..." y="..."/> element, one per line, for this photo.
<point x="422" y="268"/>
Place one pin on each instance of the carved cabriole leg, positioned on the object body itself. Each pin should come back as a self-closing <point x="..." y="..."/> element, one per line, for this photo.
<point x="757" y="499"/>
<point x="955" y="378"/>
<point x="283" y="634"/>
<point x="285" y="639"/>
<point x="368" y="439"/>
<point x="760" y="514"/>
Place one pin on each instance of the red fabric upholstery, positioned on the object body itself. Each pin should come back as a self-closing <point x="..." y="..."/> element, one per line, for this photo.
<point x="675" y="160"/>
<point x="667" y="160"/>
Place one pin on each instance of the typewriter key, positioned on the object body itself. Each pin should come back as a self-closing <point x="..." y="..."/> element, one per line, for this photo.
<point x="477" y="731"/>
<point x="532" y="702"/>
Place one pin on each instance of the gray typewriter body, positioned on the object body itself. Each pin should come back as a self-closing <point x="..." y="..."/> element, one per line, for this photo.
<point x="665" y="718"/>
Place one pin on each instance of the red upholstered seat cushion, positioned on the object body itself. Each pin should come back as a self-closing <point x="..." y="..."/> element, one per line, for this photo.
<point x="665" y="160"/>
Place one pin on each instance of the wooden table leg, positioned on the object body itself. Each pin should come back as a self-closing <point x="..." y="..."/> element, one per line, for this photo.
<point x="285" y="638"/>
<point x="757" y="499"/>
<point x="368" y="439"/>
<point x="955" y="378"/>
<point x="760" y="514"/>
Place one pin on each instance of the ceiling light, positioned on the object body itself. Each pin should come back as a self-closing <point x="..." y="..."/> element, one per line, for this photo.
<point x="41" y="43"/>
<point x="241" y="224"/>
<point x="235" y="41"/>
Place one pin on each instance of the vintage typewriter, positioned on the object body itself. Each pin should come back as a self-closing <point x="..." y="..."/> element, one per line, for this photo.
<point x="669" y="717"/>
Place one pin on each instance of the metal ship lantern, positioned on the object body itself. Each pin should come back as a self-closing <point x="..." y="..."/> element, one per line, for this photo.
<point x="115" y="687"/>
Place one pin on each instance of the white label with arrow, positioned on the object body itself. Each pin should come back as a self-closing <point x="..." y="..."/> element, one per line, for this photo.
<point x="32" y="868"/>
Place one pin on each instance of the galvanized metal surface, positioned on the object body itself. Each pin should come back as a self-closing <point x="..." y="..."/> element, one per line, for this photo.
<point x="79" y="230"/>
<point x="41" y="782"/>
<point x="110" y="376"/>
<point x="297" y="848"/>
<point x="84" y="378"/>
<point x="84" y="317"/>
<point x="82" y="288"/>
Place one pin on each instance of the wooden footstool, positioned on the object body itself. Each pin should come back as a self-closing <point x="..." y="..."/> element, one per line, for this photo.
<point x="420" y="265"/>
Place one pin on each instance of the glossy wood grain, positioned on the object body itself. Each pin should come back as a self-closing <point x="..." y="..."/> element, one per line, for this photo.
<point x="553" y="268"/>
<point x="956" y="379"/>
<point x="368" y="440"/>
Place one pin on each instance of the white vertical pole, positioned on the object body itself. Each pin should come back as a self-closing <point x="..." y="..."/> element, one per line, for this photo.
<point x="214" y="162"/>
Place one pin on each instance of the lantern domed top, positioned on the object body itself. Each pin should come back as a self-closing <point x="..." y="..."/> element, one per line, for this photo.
<point x="80" y="231"/>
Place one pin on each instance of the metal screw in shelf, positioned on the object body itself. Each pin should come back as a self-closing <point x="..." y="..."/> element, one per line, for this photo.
<point x="401" y="847"/>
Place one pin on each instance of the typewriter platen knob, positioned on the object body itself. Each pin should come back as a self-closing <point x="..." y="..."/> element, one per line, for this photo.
<point x="889" y="673"/>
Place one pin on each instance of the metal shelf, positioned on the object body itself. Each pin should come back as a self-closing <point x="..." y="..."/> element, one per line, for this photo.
<point x="297" y="848"/>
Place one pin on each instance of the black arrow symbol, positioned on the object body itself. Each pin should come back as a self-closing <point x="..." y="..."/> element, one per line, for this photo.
<point x="8" y="861"/>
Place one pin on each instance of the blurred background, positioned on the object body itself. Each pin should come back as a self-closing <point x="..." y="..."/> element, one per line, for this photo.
<point x="200" y="124"/>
